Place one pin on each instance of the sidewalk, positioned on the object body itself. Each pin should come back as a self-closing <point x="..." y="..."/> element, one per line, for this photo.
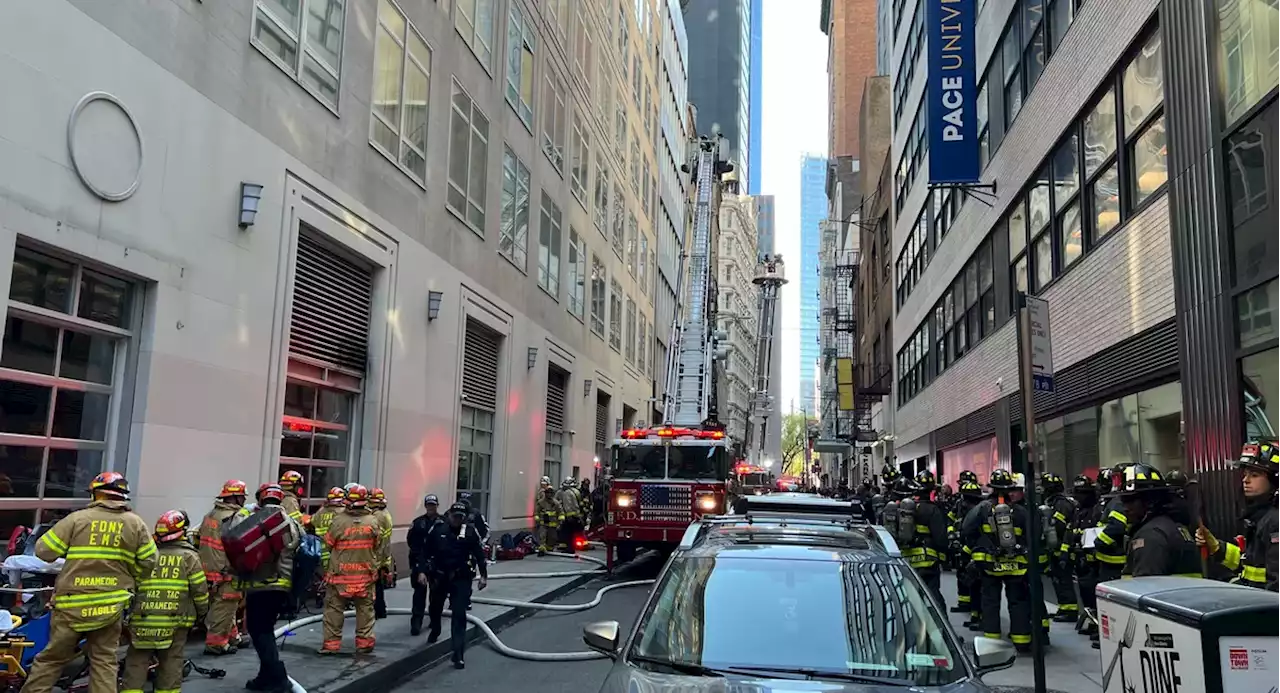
<point x="398" y="654"/>
<point x="1070" y="664"/>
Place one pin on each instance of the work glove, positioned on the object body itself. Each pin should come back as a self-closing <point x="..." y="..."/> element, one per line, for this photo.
<point x="1205" y="538"/>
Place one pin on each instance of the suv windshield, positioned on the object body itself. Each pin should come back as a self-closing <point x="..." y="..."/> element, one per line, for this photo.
<point x="698" y="462"/>
<point x="821" y="616"/>
<point x="639" y="461"/>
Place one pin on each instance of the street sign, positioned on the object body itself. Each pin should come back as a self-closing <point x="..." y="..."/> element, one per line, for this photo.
<point x="1041" y="345"/>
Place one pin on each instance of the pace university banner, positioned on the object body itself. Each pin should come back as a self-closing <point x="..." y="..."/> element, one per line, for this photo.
<point x="953" y="92"/>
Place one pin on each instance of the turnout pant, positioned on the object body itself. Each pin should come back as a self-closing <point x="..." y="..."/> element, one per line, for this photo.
<point x="99" y="647"/>
<point x="931" y="576"/>
<point x="568" y="528"/>
<point x="220" y="623"/>
<point x="334" y="605"/>
<point x="1064" y="588"/>
<point x="379" y="599"/>
<point x="546" y="535"/>
<point x="1017" y="590"/>
<point x="169" y="663"/>
<point x="458" y="590"/>
<point x="262" y="609"/>
<point x="968" y="589"/>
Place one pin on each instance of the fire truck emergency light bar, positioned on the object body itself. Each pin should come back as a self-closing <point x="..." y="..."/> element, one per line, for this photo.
<point x="638" y="433"/>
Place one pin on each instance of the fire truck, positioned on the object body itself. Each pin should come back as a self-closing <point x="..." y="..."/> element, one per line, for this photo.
<point x="663" y="479"/>
<point x="752" y="480"/>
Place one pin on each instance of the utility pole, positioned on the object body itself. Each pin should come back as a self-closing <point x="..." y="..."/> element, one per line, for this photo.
<point x="1035" y="374"/>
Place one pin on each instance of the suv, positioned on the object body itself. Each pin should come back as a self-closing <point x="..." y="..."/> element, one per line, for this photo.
<point x="793" y="589"/>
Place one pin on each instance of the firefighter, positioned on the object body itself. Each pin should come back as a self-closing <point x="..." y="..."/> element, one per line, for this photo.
<point x="1256" y="564"/>
<point x="1002" y="553"/>
<point x="1084" y="490"/>
<point x="355" y="544"/>
<point x="888" y="475"/>
<point x="419" y="571"/>
<point x="1111" y="547"/>
<point x="929" y="550"/>
<point x="169" y="602"/>
<point x="571" y="506"/>
<point x="455" y="555"/>
<point x="1158" y="544"/>
<point x="291" y="483"/>
<point x="955" y="508"/>
<point x="221" y="636"/>
<point x="549" y="515"/>
<point x="1057" y="511"/>
<point x="386" y="571"/>
<point x="268" y="595"/>
<point x="106" y="547"/>
<point x="971" y="543"/>
<point x="334" y="501"/>
<point x="968" y="581"/>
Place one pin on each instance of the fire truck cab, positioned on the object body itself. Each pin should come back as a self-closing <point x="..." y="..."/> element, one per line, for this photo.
<point x="752" y="480"/>
<point x="662" y="480"/>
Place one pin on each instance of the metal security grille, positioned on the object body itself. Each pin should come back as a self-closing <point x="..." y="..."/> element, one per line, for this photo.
<point x="480" y="366"/>
<point x="557" y="384"/>
<point x="602" y="424"/>
<point x="332" y="302"/>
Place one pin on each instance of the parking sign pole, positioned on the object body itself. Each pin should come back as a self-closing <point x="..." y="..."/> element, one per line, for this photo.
<point x="1035" y="360"/>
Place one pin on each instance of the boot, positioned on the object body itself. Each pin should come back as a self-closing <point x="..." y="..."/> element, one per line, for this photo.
<point x="433" y="634"/>
<point x="957" y="609"/>
<point x="1064" y="617"/>
<point x="415" y="626"/>
<point x="219" y="650"/>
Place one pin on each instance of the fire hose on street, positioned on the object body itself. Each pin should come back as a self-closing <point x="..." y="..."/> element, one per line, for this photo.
<point x="480" y="623"/>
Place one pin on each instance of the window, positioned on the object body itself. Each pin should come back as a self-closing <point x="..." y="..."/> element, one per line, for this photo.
<point x="601" y="212"/>
<point x="521" y="44"/>
<point x="583" y="49"/>
<point x="513" y="241"/>
<point x="984" y="126"/>
<point x="1144" y="129"/>
<point x="577" y="275"/>
<point x="913" y="259"/>
<point x="632" y="232"/>
<point x="615" y="315"/>
<point x="67" y="330"/>
<point x="475" y="454"/>
<point x="553" y="454"/>
<point x="620" y="136"/>
<point x="549" y="247"/>
<point x="1011" y="55"/>
<point x="315" y="439"/>
<point x="401" y="81"/>
<point x="1251" y="178"/>
<point x="468" y="159"/>
<point x="912" y="365"/>
<point x="599" y="276"/>
<point x="630" y="349"/>
<point x="636" y="164"/>
<point x="1248" y="54"/>
<point x="474" y="21"/>
<point x="644" y="265"/>
<point x="642" y="347"/>
<point x="624" y="40"/>
<point x="581" y="172"/>
<point x="279" y="25"/>
<point x="554" y="122"/>
<point x="619" y="221"/>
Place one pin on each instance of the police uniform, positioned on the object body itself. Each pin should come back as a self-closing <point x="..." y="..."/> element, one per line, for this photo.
<point x="1003" y="554"/>
<point x="1058" y="513"/>
<point x="1256" y="565"/>
<point x="107" y="548"/>
<point x="356" y="555"/>
<point x="419" y="569"/>
<point x="455" y="554"/>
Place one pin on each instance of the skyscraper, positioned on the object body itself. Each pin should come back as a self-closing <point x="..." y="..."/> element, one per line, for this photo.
<point x="813" y="209"/>
<point x="754" y="118"/>
<point x="720" y="73"/>
<point x="764" y="225"/>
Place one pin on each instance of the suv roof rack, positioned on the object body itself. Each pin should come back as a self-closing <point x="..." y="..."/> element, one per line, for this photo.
<point x="799" y="513"/>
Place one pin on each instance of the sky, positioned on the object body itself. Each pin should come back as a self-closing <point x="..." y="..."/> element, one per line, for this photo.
<point x="794" y="122"/>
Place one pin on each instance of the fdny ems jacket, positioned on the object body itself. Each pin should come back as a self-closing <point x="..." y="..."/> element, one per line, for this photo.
<point x="1161" y="546"/>
<point x="355" y="544"/>
<point x="216" y="568"/>
<point x="175" y="595"/>
<point x="107" y="547"/>
<point x="1257" y="563"/>
<point x="417" y="541"/>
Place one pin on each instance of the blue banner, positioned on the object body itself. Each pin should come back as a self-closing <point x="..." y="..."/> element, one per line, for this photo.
<point x="952" y="107"/>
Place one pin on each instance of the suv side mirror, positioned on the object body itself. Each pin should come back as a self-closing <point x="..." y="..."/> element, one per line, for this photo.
<point x="602" y="636"/>
<point x="993" y="655"/>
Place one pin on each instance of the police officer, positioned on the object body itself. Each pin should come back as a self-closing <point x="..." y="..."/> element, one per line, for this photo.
<point x="1002" y="552"/>
<point x="106" y="545"/>
<point x="419" y="570"/>
<point x="455" y="554"/>
<point x="386" y="572"/>
<point x="1111" y="547"/>
<point x="1259" y="461"/>
<point x="1057" y="510"/>
<point x="929" y="551"/>
<point x="1158" y="544"/>
<point x="968" y="582"/>
<point x="268" y="595"/>
<point x="1085" y="493"/>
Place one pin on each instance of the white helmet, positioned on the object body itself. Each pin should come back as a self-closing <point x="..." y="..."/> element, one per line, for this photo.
<point x="546" y="481"/>
<point x="569" y="482"/>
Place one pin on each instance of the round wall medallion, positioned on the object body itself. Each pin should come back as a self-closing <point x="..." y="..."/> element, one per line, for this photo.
<point x="105" y="146"/>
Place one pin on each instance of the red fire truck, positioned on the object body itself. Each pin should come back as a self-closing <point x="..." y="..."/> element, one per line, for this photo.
<point x="663" y="480"/>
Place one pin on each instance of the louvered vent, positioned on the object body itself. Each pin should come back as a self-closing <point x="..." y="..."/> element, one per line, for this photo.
<point x="602" y="424"/>
<point x="332" y="300"/>
<point x="480" y="366"/>
<point x="557" y="386"/>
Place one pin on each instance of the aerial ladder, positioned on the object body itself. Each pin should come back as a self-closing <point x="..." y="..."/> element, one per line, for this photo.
<point x="770" y="276"/>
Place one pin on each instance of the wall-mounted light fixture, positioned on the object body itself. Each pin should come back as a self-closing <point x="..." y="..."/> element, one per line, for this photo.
<point x="250" y="195"/>
<point x="586" y="387"/>
<point x="533" y="357"/>
<point x="434" y="298"/>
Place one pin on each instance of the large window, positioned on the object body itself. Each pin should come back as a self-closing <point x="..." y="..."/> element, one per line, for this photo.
<point x="1144" y="127"/>
<point x="643" y="274"/>
<point x="630" y="341"/>
<point x="580" y="173"/>
<point x="583" y="48"/>
<point x="401" y="83"/>
<point x="475" y="455"/>
<point x="642" y="347"/>
<point x="615" y="316"/>
<point x="633" y="230"/>
<point x="577" y="275"/>
<point x="619" y="221"/>
<point x="1248" y="54"/>
<point x="554" y="120"/>
<point x="549" y="237"/>
<point x="553" y="455"/>
<point x="1142" y="427"/>
<point x="474" y="20"/>
<point x="513" y="241"/>
<point x="599" y="293"/>
<point x="913" y="258"/>
<point x="62" y="363"/>
<point x="521" y="45"/>
<point x="601" y="212"/>
<point x="279" y="26"/>
<point x="315" y="439"/>
<point x="468" y="155"/>
<point x="913" y="360"/>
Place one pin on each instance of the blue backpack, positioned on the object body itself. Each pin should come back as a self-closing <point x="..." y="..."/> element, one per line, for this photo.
<point x="306" y="563"/>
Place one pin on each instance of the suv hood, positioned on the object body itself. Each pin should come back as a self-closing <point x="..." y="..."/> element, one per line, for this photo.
<point x="630" y="680"/>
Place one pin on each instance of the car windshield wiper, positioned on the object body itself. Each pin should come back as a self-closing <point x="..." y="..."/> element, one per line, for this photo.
<point x="823" y="674"/>
<point x="682" y="667"/>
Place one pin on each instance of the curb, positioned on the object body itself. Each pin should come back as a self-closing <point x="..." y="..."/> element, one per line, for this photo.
<point x="428" y="655"/>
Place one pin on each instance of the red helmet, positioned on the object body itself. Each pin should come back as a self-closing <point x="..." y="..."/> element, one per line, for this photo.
<point x="271" y="492"/>
<point x="377" y="498"/>
<point x="110" y="485"/>
<point x="172" y="525"/>
<point x="336" y="496"/>
<point x="290" y="480"/>
<point x="232" y="488"/>
<point x="357" y="495"/>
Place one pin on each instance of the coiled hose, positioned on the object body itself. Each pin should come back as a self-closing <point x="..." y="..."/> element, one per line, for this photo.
<point x="498" y="645"/>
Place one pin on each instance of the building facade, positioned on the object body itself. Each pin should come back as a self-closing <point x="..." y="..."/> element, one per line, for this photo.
<point x="401" y="244"/>
<point x="813" y="210"/>
<point x="851" y="59"/>
<point x="720" y="74"/>
<point x="737" y="308"/>
<point x="755" y="119"/>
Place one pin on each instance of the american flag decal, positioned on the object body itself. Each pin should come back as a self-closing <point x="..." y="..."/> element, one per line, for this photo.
<point x="666" y="503"/>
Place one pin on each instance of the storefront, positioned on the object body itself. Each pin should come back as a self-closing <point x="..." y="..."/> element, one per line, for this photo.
<point x="1141" y="427"/>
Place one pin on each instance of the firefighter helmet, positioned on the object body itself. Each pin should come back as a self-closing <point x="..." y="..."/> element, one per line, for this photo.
<point x="357" y="496"/>
<point x="1177" y="478"/>
<point x="906" y="486"/>
<point x="969" y="475"/>
<point x="263" y="487"/>
<point x="569" y="482"/>
<point x="232" y="488"/>
<point x="336" y="496"/>
<point x="110" y="485"/>
<point x="1051" y="483"/>
<point x="546" y="481"/>
<point x="970" y="488"/>
<point x="1139" y="478"/>
<point x="271" y="492"/>
<point x="1104" y="478"/>
<point x="1260" y="455"/>
<point x="889" y="473"/>
<point x="1001" y="479"/>
<point x="377" y="498"/>
<point x="171" y="526"/>
<point x="1083" y="484"/>
<point x="926" y="480"/>
<point x="290" y="480"/>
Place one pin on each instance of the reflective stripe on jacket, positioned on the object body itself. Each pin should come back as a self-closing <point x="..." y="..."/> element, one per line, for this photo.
<point x="279" y="575"/>
<point x="216" y="568"/>
<point x="385" y="526"/>
<point x="175" y="595"/>
<point x="355" y="543"/>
